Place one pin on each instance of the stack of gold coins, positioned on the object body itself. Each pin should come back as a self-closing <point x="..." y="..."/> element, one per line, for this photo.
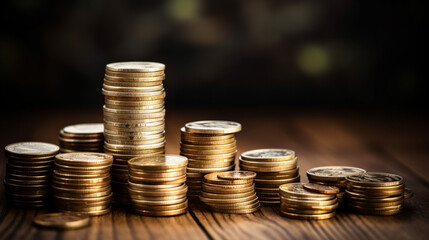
<point x="157" y="185"/>
<point x="375" y="193"/>
<point x="133" y="117"/>
<point x="299" y="203"/>
<point x="333" y="176"/>
<point x="210" y="147"/>
<point x="28" y="173"/>
<point x="81" y="182"/>
<point x="85" y="137"/>
<point x="230" y="192"/>
<point x="273" y="168"/>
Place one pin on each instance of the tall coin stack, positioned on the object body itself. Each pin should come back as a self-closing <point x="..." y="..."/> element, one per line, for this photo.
<point x="85" y="137"/>
<point x="210" y="146"/>
<point x="230" y="192"/>
<point x="273" y="168"/>
<point x="375" y="193"/>
<point x="299" y="203"/>
<point x="28" y="173"/>
<point x="333" y="176"/>
<point x="133" y="117"/>
<point x="157" y="185"/>
<point x="81" y="183"/>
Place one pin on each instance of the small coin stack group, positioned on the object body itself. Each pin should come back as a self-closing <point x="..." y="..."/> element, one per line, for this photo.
<point x="273" y="168"/>
<point x="85" y="137"/>
<point x="28" y="173"/>
<point x="375" y="193"/>
<point x="300" y="203"/>
<point x="81" y="183"/>
<point x="210" y="146"/>
<point x="157" y="185"/>
<point x="134" y="116"/>
<point x="230" y="192"/>
<point x="333" y="176"/>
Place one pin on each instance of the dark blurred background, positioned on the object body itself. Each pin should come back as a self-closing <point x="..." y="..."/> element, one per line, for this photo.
<point x="341" y="54"/>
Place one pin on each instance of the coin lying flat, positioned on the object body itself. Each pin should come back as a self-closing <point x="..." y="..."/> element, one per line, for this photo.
<point x="268" y="155"/>
<point x="85" y="128"/>
<point x="135" y="67"/>
<point x="31" y="149"/>
<point x="333" y="173"/>
<point x="236" y="175"/>
<point x="166" y="161"/>
<point x="213" y="127"/>
<point x="62" y="221"/>
<point x="84" y="159"/>
<point x="321" y="188"/>
<point x="375" y="179"/>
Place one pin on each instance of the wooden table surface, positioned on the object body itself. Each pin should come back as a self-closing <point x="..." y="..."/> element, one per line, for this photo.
<point x="396" y="143"/>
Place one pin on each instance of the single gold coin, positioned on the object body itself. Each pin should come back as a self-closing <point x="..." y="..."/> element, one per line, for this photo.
<point x="213" y="127"/>
<point x="333" y="173"/>
<point x="236" y="175"/>
<point x="308" y="216"/>
<point x="213" y="178"/>
<point x="161" y="213"/>
<point x="321" y="188"/>
<point x="375" y="179"/>
<point x="62" y="221"/>
<point x="209" y="170"/>
<point x="84" y="129"/>
<point x="298" y="190"/>
<point x="82" y="159"/>
<point x="135" y="67"/>
<point x="209" y="147"/>
<point x="31" y="149"/>
<point x="167" y="161"/>
<point x="268" y="155"/>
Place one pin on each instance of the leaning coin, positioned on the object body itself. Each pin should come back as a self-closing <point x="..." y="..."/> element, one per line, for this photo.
<point x="321" y="188"/>
<point x="62" y="221"/>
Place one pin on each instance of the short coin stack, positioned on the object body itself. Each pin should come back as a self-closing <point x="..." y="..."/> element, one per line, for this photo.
<point x="210" y="147"/>
<point x="273" y="168"/>
<point x="81" y="183"/>
<point x="134" y="116"/>
<point x="230" y="192"/>
<point x="375" y="193"/>
<point x="157" y="185"/>
<point x="299" y="203"/>
<point x="333" y="176"/>
<point x="85" y="137"/>
<point x="28" y="173"/>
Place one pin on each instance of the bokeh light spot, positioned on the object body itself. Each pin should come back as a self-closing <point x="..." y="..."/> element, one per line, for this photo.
<point x="313" y="60"/>
<point x="183" y="10"/>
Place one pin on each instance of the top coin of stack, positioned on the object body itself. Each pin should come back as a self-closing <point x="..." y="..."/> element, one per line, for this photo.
<point x="28" y="173"/>
<point x="85" y="137"/>
<point x="133" y="117"/>
<point x="157" y="185"/>
<point x="210" y="146"/>
<point x="81" y="182"/>
<point x="333" y="176"/>
<point x="273" y="168"/>
<point x="375" y="193"/>
<point x="230" y="192"/>
<point x="299" y="203"/>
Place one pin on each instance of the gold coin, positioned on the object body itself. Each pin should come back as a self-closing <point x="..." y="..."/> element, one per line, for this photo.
<point x="211" y="157"/>
<point x="373" y="179"/>
<point x="134" y="96"/>
<point x="226" y="196"/>
<point x="339" y="184"/>
<point x="333" y="173"/>
<point x="134" y="77"/>
<point x="213" y="178"/>
<point x="176" y="180"/>
<point x="162" y="207"/>
<point x="151" y="187"/>
<point x="133" y="125"/>
<point x="210" y="170"/>
<point x="132" y="89"/>
<point x="156" y="175"/>
<point x="203" y="165"/>
<point x="227" y="200"/>
<point x="238" y="211"/>
<point x="82" y="181"/>
<point x="126" y="103"/>
<point x="269" y="164"/>
<point x="321" y="188"/>
<point x="258" y="169"/>
<point x="236" y="175"/>
<point x="361" y="195"/>
<point x="269" y="202"/>
<point x="160" y="213"/>
<point x="278" y="182"/>
<point x="85" y="129"/>
<point x="316" y="207"/>
<point x="308" y="216"/>
<point x="234" y="186"/>
<point x="200" y="142"/>
<point x="182" y="189"/>
<point x="91" y="213"/>
<point x="31" y="149"/>
<point x="304" y="211"/>
<point x="63" y="221"/>
<point x="158" y="203"/>
<point x="373" y="204"/>
<point x="213" y="127"/>
<point x="156" y="198"/>
<point x="167" y="161"/>
<point x="253" y="202"/>
<point x="116" y="81"/>
<point x="135" y="67"/>
<point x="268" y="155"/>
<point x="219" y="190"/>
<point x="209" y="152"/>
<point x="208" y="147"/>
<point x="278" y="175"/>
<point x="82" y="159"/>
<point x="297" y="190"/>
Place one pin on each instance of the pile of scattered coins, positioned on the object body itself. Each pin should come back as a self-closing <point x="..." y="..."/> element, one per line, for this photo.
<point x="28" y="173"/>
<point x="273" y="168"/>
<point x="157" y="185"/>
<point x="375" y="193"/>
<point x="85" y="137"/>
<point x="134" y="117"/>
<point x="210" y="146"/>
<point x="230" y="192"/>
<point x="333" y="176"/>
<point x="299" y="203"/>
<point x="81" y="183"/>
